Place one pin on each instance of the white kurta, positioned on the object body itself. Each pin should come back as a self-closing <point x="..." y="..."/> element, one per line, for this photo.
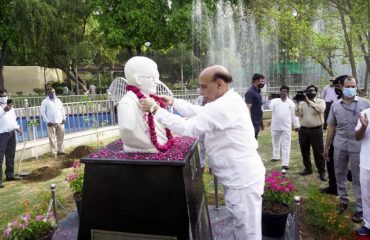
<point x="232" y="154"/>
<point x="281" y="128"/>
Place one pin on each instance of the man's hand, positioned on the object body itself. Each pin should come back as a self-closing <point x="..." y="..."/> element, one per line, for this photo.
<point x="296" y="129"/>
<point x="326" y="154"/>
<point x="364" y="120"/>
<point x="149" y="105"/>
<point x="19" y="131"/>
<point x="8" y="107"/>
<point x="168" y="99"/>
<point x="50" y="124"/>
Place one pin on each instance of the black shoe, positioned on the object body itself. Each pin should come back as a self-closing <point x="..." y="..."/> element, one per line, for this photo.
<point x="275" y="160"/>
<point x="363" y="231"/>
<point x="329" y="190"/>
<point x="305" y="172"/>
<point x="1" y="185"/>
<point x="285" y="167"/>
<point x="14" y="178"/>
<point x="342" y="207"/>
<point x="323" y="177"/>
<point x="61" y="153"/>
<point x="357" y="217"/>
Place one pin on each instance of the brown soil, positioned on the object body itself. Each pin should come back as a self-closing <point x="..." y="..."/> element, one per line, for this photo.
<point x="81" y="151"/>
<point x="43" y="174"/>
<point x="65" y="163"/>
<point x="274" y="207"/>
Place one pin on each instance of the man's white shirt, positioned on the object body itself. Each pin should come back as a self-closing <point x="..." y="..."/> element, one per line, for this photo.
<point x="283" y="115"/>
<point x="52" y="110"/>
<point x="365" y="147"/>
<point x="8" y="120"/>
<point x="229" y="136"/>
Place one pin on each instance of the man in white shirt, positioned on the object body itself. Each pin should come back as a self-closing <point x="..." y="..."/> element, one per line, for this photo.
<point x="8" y="126"/>
<point x="283" y="116"/>
<point x="363" y="133"/>
<point x="54" y="116"/>
<point x="230" y="143"/>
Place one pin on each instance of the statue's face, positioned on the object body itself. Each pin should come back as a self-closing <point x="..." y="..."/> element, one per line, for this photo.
<point x="148" y="83"/>
<point x="143" y="73"/>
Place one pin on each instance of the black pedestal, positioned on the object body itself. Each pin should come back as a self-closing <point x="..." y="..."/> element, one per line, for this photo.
<point x="144" y="199"/>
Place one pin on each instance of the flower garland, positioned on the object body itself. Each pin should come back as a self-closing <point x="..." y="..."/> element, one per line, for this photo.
<point x="153" y="134"/>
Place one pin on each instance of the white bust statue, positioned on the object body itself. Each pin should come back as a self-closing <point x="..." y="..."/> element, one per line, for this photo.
<point x="142" y="73"/>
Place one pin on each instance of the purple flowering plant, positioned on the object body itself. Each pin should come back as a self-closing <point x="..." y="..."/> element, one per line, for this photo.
<point x="30" y="226"/>
<point x="76" y="177"/>
<point x="278" y="189"/>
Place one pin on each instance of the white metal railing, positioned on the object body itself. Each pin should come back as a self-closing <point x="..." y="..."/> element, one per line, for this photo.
<point x="80" y="116"/>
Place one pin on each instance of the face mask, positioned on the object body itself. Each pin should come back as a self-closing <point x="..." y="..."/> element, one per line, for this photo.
<point x="349" y="92"/>
<point x="51" y="95"/>
<point x="261" y="85"/>
<point x="3" y="100"/>
<point x="311" y="95"/>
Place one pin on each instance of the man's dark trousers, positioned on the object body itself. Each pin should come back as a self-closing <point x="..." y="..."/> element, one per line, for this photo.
<point x="7" y="148"/>
<point x="330" y="169"/>
<point x="326" y="113"/>
<point x="312" y="137"/>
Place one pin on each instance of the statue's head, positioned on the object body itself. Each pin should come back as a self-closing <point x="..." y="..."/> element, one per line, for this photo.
<point x="142" y="72"/>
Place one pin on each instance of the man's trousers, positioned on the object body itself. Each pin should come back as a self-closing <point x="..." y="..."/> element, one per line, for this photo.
<point x="365" y="191"/>
<point x="341" y="160"/>
<point x="283" y="139"/>
<point x="56" y="138"/>
<point x="245" y="205"/>
<point x="7" y="148"/>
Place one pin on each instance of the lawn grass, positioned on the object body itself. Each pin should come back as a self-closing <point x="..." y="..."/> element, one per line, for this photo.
<point x="20" y="195"/>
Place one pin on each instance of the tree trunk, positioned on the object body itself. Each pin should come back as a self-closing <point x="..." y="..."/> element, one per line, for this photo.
<point x="3" y="56"/>
<point x="348" y="42"/>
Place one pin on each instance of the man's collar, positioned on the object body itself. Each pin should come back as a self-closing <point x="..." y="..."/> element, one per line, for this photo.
<point x="355" y="99"/>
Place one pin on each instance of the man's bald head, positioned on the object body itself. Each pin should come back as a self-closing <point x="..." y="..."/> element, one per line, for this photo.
<point x="216" y="72"/>
<point x="214" y="82"/>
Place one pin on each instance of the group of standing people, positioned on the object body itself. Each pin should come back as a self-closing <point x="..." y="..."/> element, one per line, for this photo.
<point x="344" y="116"/>
<point x="53" y="115"/>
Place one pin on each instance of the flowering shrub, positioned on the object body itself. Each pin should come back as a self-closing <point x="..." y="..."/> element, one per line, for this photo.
<point x="30" y="226"/>
<point x="278" y="189"/>
<point x="76" y="177"/>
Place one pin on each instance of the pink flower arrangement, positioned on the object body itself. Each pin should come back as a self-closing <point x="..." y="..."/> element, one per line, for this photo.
<point x="30" y="226"/>
<point x="278" y="188"/>
<point x="176" y="152"/>
<point x="76" y="177"/>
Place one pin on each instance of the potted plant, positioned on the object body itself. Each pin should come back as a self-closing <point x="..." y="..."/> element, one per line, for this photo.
<point x="75" y="180"/>
<point x="31" y="226"/>
<point x="277" y="199"/>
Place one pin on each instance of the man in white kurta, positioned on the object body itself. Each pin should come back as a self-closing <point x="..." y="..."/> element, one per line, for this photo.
<point x="230" y="143"/>
<point x="54" y="116"/>
<point x="283" y="116"/>
<point x="363" y="132"/>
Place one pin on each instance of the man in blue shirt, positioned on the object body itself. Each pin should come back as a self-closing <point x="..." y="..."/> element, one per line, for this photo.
<point x="254" y="102"/>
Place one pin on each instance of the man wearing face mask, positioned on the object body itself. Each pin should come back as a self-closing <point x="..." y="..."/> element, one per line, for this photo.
<point x="311" y="118"/>
<point x="254" y="102"/>
<point x="8" y="126"/>
<point x="342" y="121"/>
<point x="332" y="188"/>
<point x="54" y="116"/>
